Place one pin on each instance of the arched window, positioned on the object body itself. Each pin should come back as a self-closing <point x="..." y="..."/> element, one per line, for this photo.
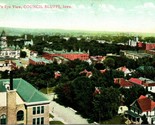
<point x="3" y="119"/>
<point x="20" y="115"/>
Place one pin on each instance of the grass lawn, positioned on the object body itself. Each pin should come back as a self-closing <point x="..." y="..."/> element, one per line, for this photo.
<point x="56" y="122"/>
<point x="47" y="90"/>
<point x="114" y="120"/>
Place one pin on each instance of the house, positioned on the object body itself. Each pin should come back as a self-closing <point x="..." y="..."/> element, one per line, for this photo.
<point x="21" y="103"/>
<point x="142" y="107"/>
<point x="123" y="83"/>
<point x="124" y="69"/>
<point x="146" y="83"/>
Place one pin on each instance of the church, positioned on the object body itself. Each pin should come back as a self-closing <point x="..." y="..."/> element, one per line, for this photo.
<point x="6" y="51"/>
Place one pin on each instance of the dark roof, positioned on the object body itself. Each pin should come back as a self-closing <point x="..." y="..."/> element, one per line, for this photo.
<point x="25" y="90"/>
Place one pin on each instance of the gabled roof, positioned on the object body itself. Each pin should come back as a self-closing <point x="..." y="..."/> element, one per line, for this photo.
<point x="145" y="103"/>
<point x="25" y="90"/>
<point x="136" y="81"/>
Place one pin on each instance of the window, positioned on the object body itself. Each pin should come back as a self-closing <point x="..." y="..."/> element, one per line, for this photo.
<point x="34" y="110"/>
<point x="42" y="109"/>
<point x="42" y="120"/>
<point x="38" y="121"/>
<point x="34" y="121"/>
<point x="20" y="115"/>
<point x="38" y="110"/>
<point x="3" y="119"/>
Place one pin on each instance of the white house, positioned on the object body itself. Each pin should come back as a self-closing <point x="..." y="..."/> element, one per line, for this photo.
<point x="140" y="109"/>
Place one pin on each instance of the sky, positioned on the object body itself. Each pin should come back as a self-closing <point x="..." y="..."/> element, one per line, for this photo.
<point x="91" y="15"/>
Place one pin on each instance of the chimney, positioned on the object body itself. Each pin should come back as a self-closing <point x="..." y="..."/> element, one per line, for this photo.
<point x="11" y="80"/>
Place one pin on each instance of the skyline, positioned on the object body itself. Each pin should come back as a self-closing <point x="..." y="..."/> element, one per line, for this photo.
<point x="90" y="15"/>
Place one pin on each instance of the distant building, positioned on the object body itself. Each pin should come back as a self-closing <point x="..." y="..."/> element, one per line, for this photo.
<point x="39" y="61"/>
<point x="134" y="54"/>
<point x="146" y="46"/>
<point x="72" y="55"/>
<point x="21" y="103"/>
<point x="8" y="52"/>
<point x="146" y="83"/>
<point x="28" y="42"/>
<point x="124" y="69"/>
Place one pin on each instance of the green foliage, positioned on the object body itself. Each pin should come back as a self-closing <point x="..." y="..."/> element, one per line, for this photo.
<point x="109" y="62"/>
<point x="22" y="54"/>
<point x="108" y="109"/>
<point x="132" y="94"/>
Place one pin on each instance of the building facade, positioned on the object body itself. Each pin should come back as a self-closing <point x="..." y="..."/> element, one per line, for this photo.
<point x="68" y="55"/>
<point x="8" y="51"/>
<point x="22" y="104"/>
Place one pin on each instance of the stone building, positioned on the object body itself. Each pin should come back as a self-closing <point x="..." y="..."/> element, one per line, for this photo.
<point x="8" y="51"/>
<point x="21" y="103"/>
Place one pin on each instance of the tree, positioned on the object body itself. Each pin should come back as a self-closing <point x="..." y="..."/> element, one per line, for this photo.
<point x="22" y="54"/>
<point x="109" y="62"/>
<point x="83" y="94"/>
<point x="106" y="104"/>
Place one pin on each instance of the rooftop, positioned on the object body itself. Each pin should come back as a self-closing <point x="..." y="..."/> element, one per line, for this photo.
<point x="25" y="90"/>
<point x="145" y="103"/>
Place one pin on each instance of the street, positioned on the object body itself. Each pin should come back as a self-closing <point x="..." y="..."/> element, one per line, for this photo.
<point x="65" y="114"/>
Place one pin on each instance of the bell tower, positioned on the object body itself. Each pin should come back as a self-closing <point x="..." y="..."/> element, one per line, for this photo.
<point x="3" y="42"/>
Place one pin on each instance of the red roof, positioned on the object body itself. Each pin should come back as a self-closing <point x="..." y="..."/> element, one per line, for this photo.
<point x="123" y="68"/>
<point x="57" y="75"/>
<point x="145" y="103"/>
<point x="103" y="71"/>
<point x="136" y="81"/>
<point x="88" y="73"/>
<point x="122" y="82"/>
<point x="125" y="83"/>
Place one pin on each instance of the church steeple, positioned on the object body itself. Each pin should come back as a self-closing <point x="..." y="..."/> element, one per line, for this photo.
<point x="3" y="42"/>
<point x="3" y="34"/>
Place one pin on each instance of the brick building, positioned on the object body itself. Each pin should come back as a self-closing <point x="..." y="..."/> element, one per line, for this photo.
<point x="146" y="46"/>
<point x="21" y="103"/>
<point x="68" y="55"/>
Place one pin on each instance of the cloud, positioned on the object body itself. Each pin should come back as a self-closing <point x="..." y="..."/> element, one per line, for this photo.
<point x="108" y="8"/>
